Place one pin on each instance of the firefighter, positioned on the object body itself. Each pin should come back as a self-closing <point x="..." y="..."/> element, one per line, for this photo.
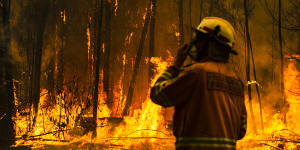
<point x="208" y="96"/>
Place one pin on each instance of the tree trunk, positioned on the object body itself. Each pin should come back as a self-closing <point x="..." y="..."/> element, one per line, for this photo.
<point x="201" y="10"/>
<point x="39" y="12"/>
<point x="272" y="53"/>
<point x="107" y="86"/>
<point x="211" y="8"/>
<point x="284" y="104"/>
<point x="248" y="59"/>
<point x="250" y="53"/>
<point x="60" y="55"/>
<point x="152" y="39"/>
<point x="190" y="19"/>
<point x="180" y="15"/>
<point x="50" y="81"/>
<point x="298" y="22"/>
<point x="256" y="86"/>
<point x="273" y="46"/>
<point x="7" y="132"/>
<point x="97" y="46"/>
<point x="137" y="62"/>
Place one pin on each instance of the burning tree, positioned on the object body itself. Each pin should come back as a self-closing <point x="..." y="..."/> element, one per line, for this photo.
<point x="6" y="81"/>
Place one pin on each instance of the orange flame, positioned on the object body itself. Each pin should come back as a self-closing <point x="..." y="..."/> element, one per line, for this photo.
<point x="276" y="132"/>
<point x="63" y="16"/>
<point x="116" y="7"/>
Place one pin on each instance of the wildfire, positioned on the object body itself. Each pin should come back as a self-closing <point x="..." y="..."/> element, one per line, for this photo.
<point x="292" y="92"/>
<point x="278" y="134"/>
<point x="58" y="125"/>
<point x="147" y="122"/>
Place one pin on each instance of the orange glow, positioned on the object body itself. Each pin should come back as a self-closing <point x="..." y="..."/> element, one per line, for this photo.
<point x="88" y="36"/>
<point x="146" y="124"/>
<point x="292" y="93"/>
<point x="103" y="48"/>
<point x="149" y="123"/>
<point x="116" y="7"/>
<point x="276" y="132"/>
<point x="177" y="34"/>
<point x="63" y="16"/>
<point x="144" y="16"/>
<point x="293" y="56"/>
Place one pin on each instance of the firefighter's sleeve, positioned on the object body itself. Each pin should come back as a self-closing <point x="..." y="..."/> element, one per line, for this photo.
<point x="171" y="89"/>
<point x="243" y="128"/>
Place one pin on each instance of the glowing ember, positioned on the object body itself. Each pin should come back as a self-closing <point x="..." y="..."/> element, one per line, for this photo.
<point x="116" y="7"/>
<point x="63" y="16"/>
<point x="103" y="48"/>
<point x="88" y="36"/>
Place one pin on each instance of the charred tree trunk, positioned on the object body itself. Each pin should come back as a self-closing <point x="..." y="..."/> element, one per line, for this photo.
<point x="211" y="7"/>
<point x="152" y="38"/>
<point x="248" y="58"/>
<point x="54" y="14"/>
<point x="256" y="86"/>
<point x="60" y="55"/>
<point x="50" y="81"/>
<point x="249" y="54"/>
<point x="107" y="78"/>
<point x="283" y="107"/>
<point x="298" y="22"/>
<point x="190" y="18"/>
<point x="39" y="14"/>
<point x="180" y="16"/>
<point x="273" y="45"/>
<point x="7" y="132"/>
<point x="137" y="62"/>
<point x="272" y="53"/>
<point x="97" y="46"/>
<point x="201" y="9"/>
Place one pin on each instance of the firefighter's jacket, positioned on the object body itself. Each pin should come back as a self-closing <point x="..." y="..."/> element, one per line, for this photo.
<point x="209" y="105"/>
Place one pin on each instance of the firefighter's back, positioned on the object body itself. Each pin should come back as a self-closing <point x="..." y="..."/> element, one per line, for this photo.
<point x="214" y="115"/>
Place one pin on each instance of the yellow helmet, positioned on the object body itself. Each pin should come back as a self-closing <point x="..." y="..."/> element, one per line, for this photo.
<point x="226" y="31"/>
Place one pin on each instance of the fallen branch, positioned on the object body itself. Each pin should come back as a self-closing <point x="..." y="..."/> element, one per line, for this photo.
<point x="282" y="140"/>
<point x="272" y="146"/>
<point x="127" y="138"/>
<point x="41" y="139"/>
<point x="33" y="136"/>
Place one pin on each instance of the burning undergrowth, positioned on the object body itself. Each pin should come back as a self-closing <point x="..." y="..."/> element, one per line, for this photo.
<point x="281" y="130"/>
<point x="67" y="121"/>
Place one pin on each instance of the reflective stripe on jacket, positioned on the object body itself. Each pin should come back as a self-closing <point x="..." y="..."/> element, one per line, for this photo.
<point x="209" y="105"/>
<point x="205" y="142"/>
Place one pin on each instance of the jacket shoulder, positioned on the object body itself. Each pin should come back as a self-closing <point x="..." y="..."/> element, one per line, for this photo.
<point x="196" y="67"/>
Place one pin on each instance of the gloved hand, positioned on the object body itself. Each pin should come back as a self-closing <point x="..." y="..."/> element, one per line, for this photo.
<point x="181" y="55"/>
